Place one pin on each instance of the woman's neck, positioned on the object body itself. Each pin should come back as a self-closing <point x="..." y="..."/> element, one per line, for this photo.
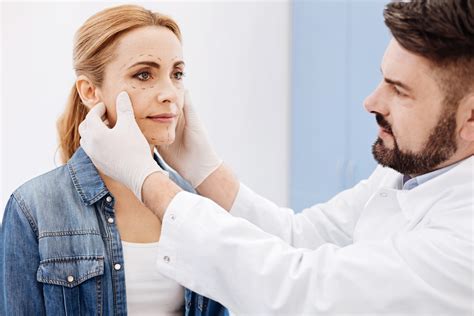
<point x="117" y="188"/>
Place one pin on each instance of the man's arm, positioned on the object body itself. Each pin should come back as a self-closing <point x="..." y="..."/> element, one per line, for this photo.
<point x="157" y="192"/>
<point x="333" y="221"/>
<point x="252" y="272"/>
<point x="221" y="186"/>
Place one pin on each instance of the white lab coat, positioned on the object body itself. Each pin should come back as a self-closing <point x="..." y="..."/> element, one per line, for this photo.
<point x="374" y="249"/>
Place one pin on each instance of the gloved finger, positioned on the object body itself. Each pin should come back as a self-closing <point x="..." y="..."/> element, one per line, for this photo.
<point x="187" y="98"/>
<point x="93" y="120"/>
<point x="182" y="118"/>
<point x="190" y="114"/>
<point x="105" y="120"/>
<point x="98" y="110"/>
<point x="84" y="144"/>
<point x="180" y="126"/>
<point x="124" y="107"/>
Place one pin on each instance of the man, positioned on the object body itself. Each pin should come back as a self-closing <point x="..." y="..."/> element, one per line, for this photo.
<point x="400" y="242"/>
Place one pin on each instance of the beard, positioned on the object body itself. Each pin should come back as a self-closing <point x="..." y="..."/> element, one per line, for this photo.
<point x="440" y="146"/>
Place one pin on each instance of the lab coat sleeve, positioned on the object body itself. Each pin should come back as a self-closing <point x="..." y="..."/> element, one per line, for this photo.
<point x="331" y="222"/>
<point x="253" y="272"/>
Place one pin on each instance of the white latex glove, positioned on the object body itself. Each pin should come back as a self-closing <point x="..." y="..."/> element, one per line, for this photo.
<point x="191" y="154"/>
<point x="121" y="152"/>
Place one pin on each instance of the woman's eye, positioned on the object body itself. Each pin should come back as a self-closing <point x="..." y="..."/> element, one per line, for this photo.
<point x="143" y="76"/>
<point x="178" y="75"/>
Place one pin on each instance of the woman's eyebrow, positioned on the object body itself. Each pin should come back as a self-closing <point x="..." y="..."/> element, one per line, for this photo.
<point x="147" y="63"/>
<point x="155" y="64"/>
<point x="179" y="63"/>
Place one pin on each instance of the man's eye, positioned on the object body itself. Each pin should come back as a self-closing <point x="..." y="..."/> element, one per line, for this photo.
<point x="397" y="91"/>
<point x="143" y="76"/>
<point x="178" y="75"/>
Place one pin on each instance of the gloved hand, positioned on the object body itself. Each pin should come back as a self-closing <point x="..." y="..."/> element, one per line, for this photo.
<point x="191" y="154"/>
<point x="121" y="152"/>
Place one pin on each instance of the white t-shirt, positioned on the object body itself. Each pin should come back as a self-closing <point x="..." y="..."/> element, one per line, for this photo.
<point x="148" y="291"/>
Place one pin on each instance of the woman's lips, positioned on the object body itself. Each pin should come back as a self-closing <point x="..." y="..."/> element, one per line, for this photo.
<point x="162" y="118"/>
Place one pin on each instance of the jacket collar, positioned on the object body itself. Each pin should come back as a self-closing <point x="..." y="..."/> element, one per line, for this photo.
<point x="86" y="179"/>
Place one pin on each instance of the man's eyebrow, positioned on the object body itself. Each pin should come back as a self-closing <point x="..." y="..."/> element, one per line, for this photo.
<point x="396" y="82"/>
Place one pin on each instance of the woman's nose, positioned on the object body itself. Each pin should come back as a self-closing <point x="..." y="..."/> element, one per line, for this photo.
<point x="167" y="92"/>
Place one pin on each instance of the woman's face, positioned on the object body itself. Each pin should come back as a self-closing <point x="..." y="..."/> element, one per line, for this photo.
<point x="148" y="64"/>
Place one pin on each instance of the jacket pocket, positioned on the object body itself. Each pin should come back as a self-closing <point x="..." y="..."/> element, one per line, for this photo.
<point x="70" y="271"/>
<point x="72" y="285"/>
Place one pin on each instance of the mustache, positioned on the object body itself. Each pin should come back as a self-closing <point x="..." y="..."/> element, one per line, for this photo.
<point x="383" y="123"/>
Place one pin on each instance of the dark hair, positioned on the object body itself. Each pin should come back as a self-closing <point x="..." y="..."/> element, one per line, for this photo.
<point x="443" y="32"/>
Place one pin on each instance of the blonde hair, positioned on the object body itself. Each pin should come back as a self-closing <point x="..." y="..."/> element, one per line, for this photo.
<point x="94" y="45"/>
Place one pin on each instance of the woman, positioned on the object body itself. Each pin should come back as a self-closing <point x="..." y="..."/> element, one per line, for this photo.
<point x="76" y="242"/>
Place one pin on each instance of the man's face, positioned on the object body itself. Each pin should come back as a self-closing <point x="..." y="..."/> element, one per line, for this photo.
<point x="148" y="64"/>
<point x="417" y="130"/>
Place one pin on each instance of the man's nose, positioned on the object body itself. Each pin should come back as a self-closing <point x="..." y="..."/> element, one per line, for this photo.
<point x="375" y="102"/>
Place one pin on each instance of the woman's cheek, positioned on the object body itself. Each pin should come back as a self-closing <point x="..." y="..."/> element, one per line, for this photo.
<point x="136" y="100"/>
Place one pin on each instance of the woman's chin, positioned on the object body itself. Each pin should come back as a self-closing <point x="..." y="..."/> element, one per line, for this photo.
<point x="161" y="141"/>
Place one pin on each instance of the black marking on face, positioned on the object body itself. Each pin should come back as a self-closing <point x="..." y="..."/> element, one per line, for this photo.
<point x="126" y="63"/>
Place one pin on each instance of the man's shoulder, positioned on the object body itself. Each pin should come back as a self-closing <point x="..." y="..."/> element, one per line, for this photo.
<point x="384" y="177"/>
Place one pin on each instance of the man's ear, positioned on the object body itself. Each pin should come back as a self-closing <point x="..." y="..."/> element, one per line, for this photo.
<point x="87" y="91"/>
<point x="466" y="112"/>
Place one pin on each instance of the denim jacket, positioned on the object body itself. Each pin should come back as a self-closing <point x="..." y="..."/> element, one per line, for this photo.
<point x="61" y="249"/>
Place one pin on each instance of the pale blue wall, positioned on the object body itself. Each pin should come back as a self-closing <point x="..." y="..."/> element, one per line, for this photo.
<point x="336" y="53"/>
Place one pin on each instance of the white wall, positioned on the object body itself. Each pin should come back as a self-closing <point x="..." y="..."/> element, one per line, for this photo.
<point x="237" y="56"/>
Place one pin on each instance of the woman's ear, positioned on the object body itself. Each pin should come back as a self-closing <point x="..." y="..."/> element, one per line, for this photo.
<point x="87" y="91"/>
